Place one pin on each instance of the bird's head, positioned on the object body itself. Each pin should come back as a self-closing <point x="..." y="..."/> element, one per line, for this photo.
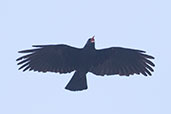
<point x="90" y="43"/>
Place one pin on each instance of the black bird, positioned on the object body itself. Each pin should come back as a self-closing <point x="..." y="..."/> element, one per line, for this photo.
<point x="65" y="59"/>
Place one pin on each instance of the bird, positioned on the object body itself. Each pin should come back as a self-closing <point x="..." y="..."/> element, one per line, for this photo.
<point x="62" y="58"/>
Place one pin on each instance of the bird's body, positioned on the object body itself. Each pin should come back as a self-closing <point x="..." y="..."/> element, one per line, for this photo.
<point x="64" y="59"/>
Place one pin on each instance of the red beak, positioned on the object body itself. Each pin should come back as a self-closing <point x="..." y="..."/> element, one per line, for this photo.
<point x="92" y="39"/>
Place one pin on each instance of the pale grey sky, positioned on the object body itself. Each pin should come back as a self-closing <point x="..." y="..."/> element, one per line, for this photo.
<point x="141" y="24"/>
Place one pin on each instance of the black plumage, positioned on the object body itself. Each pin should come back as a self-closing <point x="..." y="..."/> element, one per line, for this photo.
<point x="64" y="59"/>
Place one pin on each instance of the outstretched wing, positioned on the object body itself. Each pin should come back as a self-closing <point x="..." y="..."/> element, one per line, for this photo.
<point x="52" y="58"/>
<point x="122" y="61"/>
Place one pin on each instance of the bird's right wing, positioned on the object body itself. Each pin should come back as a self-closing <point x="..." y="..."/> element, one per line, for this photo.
<point x="122" y="61"/>
<point x="52" y="58"/>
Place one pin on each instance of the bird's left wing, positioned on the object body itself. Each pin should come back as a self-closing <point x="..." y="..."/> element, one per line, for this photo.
<point x="53" y="58"/>
<point x="122" y="61"/>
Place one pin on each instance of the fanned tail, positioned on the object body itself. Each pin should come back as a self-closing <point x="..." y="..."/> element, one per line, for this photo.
<point x="78" y="82"/>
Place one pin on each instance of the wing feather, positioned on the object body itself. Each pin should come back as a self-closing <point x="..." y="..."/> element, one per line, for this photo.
<point x="122" y="61"/>
<point x="49" y="58"/>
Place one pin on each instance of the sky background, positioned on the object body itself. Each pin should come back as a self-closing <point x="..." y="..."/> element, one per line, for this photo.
<point x="139" y="24"/>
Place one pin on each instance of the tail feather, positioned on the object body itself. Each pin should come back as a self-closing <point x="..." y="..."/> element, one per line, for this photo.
<point x="78" y="82"/>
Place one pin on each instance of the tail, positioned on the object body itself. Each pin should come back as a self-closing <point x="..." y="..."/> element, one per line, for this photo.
<point x="78" y="82"/>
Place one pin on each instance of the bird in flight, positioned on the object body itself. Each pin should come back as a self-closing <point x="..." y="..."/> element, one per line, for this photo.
<point x="65" y="59"/>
